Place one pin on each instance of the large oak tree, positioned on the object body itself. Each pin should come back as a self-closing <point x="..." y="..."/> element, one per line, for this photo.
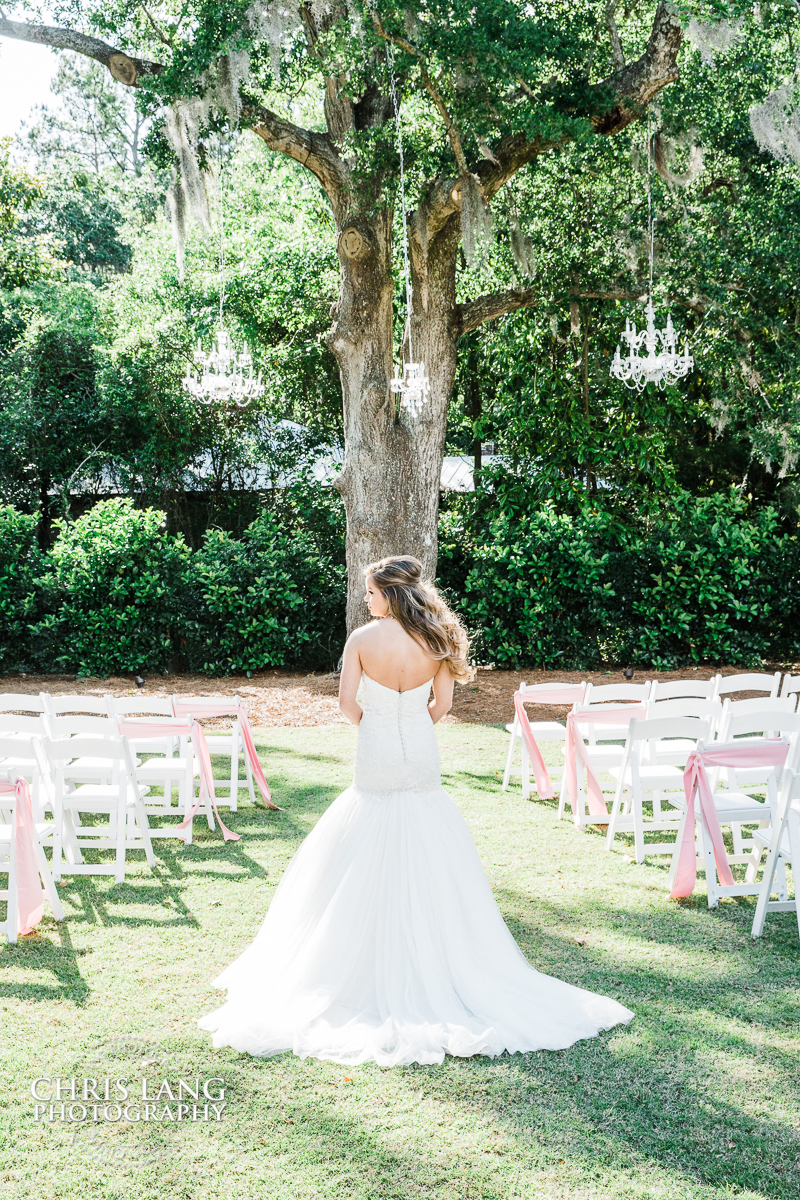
<point x="488" y="86"/>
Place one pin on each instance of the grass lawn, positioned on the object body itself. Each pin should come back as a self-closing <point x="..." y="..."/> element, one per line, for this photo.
<point x="696" y="1098"/>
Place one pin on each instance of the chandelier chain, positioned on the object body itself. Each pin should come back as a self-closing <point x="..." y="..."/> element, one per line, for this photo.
<point x="399" y="133"/>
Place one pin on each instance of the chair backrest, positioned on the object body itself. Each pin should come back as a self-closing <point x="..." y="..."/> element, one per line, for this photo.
<point x="766" y="720"/>
<point x="21" y="702"/>
<point x="677" y="689"/>
<point x="664" y="728"/>
<point x="683" y="707"/>
<point x="790" y="685"/>
<point x="64" y="750"/>
<point x="754" y="707"/>
<point x="221" y="701"/>
<point x="82" y="726"/>
<point x="56" y="706"/>
<point x="13" y="723"/>
<point x="613" y="693"/>
<point x="180" y="724"/>
<point x="140" y="706"/>
<point x="749" y="683"/>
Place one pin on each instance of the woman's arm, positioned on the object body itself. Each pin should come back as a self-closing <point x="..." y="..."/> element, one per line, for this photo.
<point x="442" y="700"/>
<point x="349" y="681"/>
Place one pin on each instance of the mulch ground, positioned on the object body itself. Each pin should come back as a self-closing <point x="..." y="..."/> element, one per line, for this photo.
<point x="293" y="698"/>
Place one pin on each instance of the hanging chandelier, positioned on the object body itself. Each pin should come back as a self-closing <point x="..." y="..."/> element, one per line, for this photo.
<point x="224" y="374"/>
<point x="660" y="367"/>
<point x="662" y="363"/>
<point x="413" y="385"/>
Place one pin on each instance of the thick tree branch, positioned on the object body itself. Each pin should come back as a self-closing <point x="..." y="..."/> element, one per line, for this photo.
<point x="123" y="67"/>
<point x="472" y="313"/>
<point x="313" y="150"/>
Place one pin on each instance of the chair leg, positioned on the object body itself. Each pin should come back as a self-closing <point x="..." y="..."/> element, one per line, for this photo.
<point x="248" y="770"/>
<point x="47" y="880"/>
<point x="707" y="857"/>
<point x="638" y="825"/>
<point x="793" y="825"/>
<point x="615" y="811"/>
<point x="233" y="802"/>
<point x="121" y="840"/>
<point x="510" y="756"/>
<point x="58" y="835"/>
<point x="140" y="817"/>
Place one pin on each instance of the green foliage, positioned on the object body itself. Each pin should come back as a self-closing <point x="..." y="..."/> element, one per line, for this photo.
<point x="116" y="594"/>
<point x="707" y="580"/>
<point x="268" y="600"/>
<point x="21" y="567"/>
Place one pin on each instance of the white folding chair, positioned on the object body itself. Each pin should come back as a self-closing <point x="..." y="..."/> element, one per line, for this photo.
<point x="543" y="731"/>
<point x="643" y="777"/>
<point x="782" y="844"/>
<point x="789" y="687"/>
<point x="685" y="689"/>
<point x="755" y="682"/>
<point x="8" y="863"/>
<point x="229" y="745"/>
<point x="121" y="801"/>
<point x="166" y="770"/>
<point x="739" y="804"/>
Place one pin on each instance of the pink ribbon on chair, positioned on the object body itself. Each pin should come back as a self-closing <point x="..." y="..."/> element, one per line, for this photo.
<point x="767" y="753"/>
<point x="30" y="901"/>
<point x="195" y="707"/>
<point x="138" y="729"/>
<point x="576" y="748"/>
<point x="566" y="695"/>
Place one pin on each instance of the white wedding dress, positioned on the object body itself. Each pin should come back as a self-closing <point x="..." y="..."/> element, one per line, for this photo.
<point x="383" y="941"/>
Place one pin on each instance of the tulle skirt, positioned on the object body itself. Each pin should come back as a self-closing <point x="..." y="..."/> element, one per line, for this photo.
<point x="384" y="943"/>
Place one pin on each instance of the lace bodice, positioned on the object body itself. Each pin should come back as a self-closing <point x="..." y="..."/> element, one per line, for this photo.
<point x="397" y="746"/>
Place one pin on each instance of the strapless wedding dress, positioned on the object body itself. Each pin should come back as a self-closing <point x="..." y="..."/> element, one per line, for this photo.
<point x="383" y="941"/>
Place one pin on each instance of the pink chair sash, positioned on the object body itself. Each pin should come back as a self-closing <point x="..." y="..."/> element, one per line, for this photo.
<point x="572" y="694"/>
<point x="767" y="753"/>
<point x="576" y="749"/>
<point x="193" y="707"/>
<point x="30" y="901"/>
<point x="138" y="729"/>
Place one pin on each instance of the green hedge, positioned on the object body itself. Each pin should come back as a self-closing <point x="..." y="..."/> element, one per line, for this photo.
<point x="705" y="580"/>
<point x="269" y="600"/>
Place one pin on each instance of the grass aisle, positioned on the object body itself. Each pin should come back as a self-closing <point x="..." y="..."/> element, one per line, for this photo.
<point x="697" y="1098"/>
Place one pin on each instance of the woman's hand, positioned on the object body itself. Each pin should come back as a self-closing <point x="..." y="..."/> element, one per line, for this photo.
<point x="349" y="681"/>
<point x="442" y="700"/>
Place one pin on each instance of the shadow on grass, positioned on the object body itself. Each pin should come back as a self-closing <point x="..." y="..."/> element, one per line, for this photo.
<point x="55" y="954"/>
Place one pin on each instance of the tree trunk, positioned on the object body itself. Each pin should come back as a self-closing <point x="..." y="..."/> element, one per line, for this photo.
<point x="392" y="463"/>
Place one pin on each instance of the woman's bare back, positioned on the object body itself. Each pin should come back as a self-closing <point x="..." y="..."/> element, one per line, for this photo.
<point x="392" y="657"/>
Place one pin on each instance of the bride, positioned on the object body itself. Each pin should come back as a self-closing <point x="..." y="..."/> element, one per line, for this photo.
<point x="383" y="941"/>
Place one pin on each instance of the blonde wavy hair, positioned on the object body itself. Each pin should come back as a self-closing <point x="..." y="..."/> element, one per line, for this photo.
<point x="418" y="607"/>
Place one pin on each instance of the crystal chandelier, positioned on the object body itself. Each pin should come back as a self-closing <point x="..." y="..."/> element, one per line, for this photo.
<point x="224" y="374"/>
<point x="413" y="385"/>
<point x="659" y="365"/>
